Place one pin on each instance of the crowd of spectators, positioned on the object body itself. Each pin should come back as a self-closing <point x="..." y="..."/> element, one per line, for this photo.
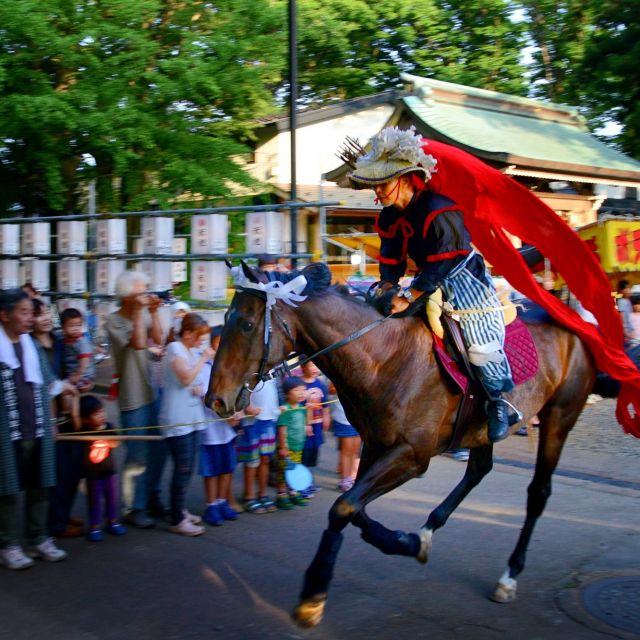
<point x="55" y="436"/>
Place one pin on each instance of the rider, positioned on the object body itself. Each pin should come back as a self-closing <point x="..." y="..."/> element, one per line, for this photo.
<point x="429" y="228"/>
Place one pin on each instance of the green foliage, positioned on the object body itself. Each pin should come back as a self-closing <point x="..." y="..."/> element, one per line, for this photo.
<point x="350" y="48"/>
<point x="160" y="92"/>
<point x="609" y="76"/>
<point x="560" y="31"/>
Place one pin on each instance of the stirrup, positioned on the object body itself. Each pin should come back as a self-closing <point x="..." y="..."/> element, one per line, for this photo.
<point x="512" y="418"/>
<point x="517" y="414"/>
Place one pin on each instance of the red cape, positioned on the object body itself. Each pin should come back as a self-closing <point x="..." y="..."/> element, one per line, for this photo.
<point x="494" y="203"/>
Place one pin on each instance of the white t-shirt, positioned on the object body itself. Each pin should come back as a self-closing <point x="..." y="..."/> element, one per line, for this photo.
<point x="179" y="404"/>
<point x="337" y="412"/>
<point x="217" y="431"/>
<point x="265" y="397"/>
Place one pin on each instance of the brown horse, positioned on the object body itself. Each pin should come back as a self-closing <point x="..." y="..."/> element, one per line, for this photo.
<point x="395" y="395"/>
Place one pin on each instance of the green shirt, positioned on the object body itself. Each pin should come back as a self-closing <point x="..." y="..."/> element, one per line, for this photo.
<point x="294" y="419"/>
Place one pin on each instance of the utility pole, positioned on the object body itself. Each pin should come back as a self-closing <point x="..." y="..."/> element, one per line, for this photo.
<point x="293" y="99"/>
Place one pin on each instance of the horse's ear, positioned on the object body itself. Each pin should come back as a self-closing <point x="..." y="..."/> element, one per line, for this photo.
<point x="250" y="274"/>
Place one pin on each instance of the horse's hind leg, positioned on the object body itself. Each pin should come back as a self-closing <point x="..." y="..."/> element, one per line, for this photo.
<point x="479" y="465"/>
<point x="382" y="473"/>
<point x="555" y="423"/>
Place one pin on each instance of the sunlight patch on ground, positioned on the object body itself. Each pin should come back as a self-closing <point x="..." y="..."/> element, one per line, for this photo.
<point x="260" y="604"/>
<point x="214" y="578"/>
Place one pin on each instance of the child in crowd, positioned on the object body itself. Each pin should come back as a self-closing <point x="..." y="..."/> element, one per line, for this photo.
<point x="319" y="417"/>
<point x="217" y="458"/>
<point x="291" y="425"/>
<point x="76" y="356"/>
<point x="257" y="444"/>
<point x="102" y="479"/>
<point x="349" y="444"/>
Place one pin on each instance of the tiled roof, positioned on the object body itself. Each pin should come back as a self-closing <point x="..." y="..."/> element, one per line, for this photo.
<point x="510" y="129"/>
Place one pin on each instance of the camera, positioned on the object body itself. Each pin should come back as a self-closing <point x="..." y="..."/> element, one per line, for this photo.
<point x="165" y="295"/>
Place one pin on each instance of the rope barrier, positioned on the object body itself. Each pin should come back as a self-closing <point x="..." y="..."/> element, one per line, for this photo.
<point x="84" y="437"/>
<point x="66" y="436"/>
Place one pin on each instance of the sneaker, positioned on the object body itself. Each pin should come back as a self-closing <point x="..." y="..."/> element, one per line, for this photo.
<point x="14" y="557"/>
<point x="140" y="519"/>
<point x="592" y="398"/>
<point x="116" y="529"/>
<point x="462" y="455"/>
<point x="213" y="516"/>
<point x="48" y="551"/>
<point x="307" y="493"/>
<point x="227" y="512"/>
<point x="522" y="431"/>
<point x="95" y="535"/>
<point x="314" y="488"/>
<point x="345" y="484"/>
<point x="283" y="502"/>
<point x="186" y="528"/>
<point x="194" y="519"/>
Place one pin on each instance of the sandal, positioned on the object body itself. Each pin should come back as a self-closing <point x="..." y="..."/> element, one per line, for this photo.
<point x="283" y="502"/>
<point x="254" y="506"/>
<point x="268" y="504"/>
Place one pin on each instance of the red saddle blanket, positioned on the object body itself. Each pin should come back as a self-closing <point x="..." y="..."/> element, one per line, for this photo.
<point x="519" y="348"/>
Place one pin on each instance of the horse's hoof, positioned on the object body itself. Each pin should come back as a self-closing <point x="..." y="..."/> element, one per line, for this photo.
<point x="425" y="536"/>
<point x="505" y="590"/>
<point x="309" y="612"/>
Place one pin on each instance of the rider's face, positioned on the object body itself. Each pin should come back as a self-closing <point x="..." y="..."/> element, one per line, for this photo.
<point x="397" y="192"/>
<point x="387" y="192"/>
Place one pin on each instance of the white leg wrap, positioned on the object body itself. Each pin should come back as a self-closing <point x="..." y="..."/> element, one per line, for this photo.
<point x="505" y="589"/>
<point x="425" y="536"/>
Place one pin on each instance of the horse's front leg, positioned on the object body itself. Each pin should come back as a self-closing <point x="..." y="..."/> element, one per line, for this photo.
<point x="390" y="470"/>
<point x="479" y="465"/>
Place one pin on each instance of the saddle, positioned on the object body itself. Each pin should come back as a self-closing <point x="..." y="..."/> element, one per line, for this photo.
<point x="452" y="355"/>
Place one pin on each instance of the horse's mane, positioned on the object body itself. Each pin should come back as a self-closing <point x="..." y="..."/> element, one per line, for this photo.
<point x="318" y="277"/>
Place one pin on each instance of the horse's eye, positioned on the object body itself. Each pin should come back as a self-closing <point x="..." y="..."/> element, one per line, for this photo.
<point x="247" y="325"/>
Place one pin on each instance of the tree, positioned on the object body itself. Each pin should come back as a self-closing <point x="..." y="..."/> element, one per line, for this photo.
<point x="559" y="31"/>
<point x="490" y="43"/>
<point x="609" y="76"/>
<point x="350" y="48"/>
<point x="160" y="93"/>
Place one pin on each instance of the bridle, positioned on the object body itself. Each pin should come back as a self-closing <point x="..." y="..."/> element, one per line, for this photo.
<point x="263" y="374"/>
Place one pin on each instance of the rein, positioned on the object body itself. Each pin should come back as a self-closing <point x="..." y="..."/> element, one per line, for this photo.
<point x="285" y="367"/>
<point x="295" y="360"/>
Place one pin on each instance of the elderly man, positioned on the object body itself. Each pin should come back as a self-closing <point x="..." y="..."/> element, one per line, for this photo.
<point x="27" y="453"/>
<point x="131" y="329"/>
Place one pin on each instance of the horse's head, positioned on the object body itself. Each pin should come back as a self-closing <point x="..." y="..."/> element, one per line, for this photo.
<point x="242" y="349"/>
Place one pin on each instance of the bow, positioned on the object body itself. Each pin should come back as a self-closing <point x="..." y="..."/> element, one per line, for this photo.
<point x="288" y="292"/>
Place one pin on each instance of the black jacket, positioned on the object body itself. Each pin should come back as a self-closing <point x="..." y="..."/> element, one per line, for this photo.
<point x="431" y="232"/>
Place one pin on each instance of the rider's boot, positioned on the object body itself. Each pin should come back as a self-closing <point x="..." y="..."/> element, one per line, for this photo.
<point x="498" y="414"/>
